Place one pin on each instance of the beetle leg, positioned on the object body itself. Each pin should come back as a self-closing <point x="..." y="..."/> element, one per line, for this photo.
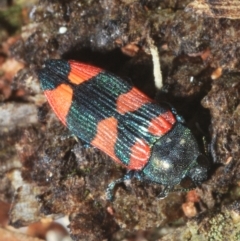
<point x="164" y="192"/>
<point x="174" y="111"/>
<point x="138" y="175"/>
<point x="178" y="117"/>
<point x="109" y="192"/>
<point x="168" y="189"/>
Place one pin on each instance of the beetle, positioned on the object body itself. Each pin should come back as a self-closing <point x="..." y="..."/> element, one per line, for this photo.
<point x="150" y="140"/>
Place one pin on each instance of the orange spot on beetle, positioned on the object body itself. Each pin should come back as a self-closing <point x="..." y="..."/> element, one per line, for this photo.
<point x="60" y="100"/>
<point x="161" y="124"/>
<point x="81" y="72"/>
<point x="140" y="153"/>
<point x="131" y="101"/>
<point x="106" y="137"/>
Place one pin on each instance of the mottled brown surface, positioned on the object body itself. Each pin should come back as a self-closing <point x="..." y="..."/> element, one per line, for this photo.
<point x="48" y="172"/>
<point x="228" y="9"/>
<point x="8" y="235"/>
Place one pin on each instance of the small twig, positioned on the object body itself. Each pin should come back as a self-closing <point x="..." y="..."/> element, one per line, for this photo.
<point x="156" y="63"/>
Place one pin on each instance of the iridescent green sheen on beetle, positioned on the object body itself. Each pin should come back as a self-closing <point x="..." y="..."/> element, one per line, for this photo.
<point x="98" y="107"/>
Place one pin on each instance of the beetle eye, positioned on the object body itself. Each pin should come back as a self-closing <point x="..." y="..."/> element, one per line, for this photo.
<point x="203" y="161"/>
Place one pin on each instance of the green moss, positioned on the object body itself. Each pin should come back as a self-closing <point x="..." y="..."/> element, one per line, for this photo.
<point x="11" y="19"/>
<point x="221" y="227"/>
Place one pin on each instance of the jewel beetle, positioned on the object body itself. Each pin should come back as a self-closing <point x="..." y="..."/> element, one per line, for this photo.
<point x="105" y="111"/>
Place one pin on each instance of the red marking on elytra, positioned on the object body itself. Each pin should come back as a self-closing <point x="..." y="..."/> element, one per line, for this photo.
<point x="161" y="124"/>
<point x="140" y="153"/>
<point x="169" y="117"/>
<point x="106" y="137"/>
<point x="131" y="101"/>
<point x="60" y="100"/>
<point x="81" y="72"/>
